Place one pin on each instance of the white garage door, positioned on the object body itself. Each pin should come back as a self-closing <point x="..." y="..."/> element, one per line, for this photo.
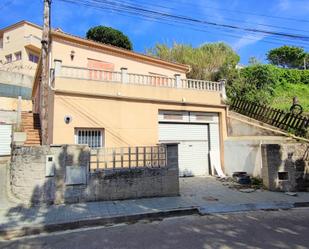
<point x="5" y="140"/>
<point x="193" y="146"/>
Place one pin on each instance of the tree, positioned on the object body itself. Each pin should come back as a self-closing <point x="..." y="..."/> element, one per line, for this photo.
<point x="254" y="61"/>
<point x="287" y="57"/>
<point x="110" y="36"/>
<point x="255" y="83"/>
<point x="306" y="61"/>
<point x="208" y="62"/>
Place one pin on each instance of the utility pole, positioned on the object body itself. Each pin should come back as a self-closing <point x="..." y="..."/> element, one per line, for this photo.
<point x="44" y="87"/>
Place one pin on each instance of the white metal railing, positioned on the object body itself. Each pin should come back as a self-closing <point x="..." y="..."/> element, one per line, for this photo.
<point x="133" y="78"/>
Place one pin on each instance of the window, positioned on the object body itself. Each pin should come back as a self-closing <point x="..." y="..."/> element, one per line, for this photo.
<point x="92" y="137"/>
<point x="18" y="56"/>
<point x="8" y="58"/>
<point x="34" y="58"/>
<point x="173" y="116"/>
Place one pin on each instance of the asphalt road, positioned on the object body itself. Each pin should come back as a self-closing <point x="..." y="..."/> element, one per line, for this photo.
<point x="287" y="229"/>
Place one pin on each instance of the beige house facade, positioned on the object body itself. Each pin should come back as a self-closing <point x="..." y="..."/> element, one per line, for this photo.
<point x="20" y="46"/>
<point x="106" y="96"/>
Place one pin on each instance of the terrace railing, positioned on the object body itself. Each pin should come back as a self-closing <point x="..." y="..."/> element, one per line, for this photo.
<point x="284" y="120"/>
<point x="139" y="79"/>
<point x="201" y="85"/>
<point x="128" y="157"/>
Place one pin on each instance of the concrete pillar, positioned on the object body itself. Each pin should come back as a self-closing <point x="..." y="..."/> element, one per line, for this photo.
<point x="58" y="66"/>
<point x="177" y="81"/>
<point x="223" y="90"/>
<point x="124" y="75"/>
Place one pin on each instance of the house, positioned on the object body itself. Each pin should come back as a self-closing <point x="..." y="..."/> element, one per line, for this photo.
<point x="20" y="46"/>
<point x="105" y="96"/>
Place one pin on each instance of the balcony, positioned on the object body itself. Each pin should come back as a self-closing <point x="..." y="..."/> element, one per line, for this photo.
<point x="33" y="42"/>
<point x="133" y="85"/>
<point x="138" y="79"/>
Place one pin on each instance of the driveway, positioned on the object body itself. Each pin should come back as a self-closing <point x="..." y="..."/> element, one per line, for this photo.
<point x="209" y="190"/>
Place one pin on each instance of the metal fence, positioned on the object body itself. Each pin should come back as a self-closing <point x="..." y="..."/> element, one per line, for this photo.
<point x="128" y="157"/>
<point x="275" y="117"/>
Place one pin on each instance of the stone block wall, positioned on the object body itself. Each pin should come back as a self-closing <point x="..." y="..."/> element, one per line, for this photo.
<point x="28" y="172"/>
<point x="67" y="178"/>
<point x="285" y="167"/>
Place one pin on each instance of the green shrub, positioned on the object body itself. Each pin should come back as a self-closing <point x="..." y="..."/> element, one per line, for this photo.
<point x="259" y="82"/>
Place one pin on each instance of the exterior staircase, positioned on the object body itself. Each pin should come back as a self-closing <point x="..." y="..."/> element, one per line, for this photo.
<point x="32" y="126"/>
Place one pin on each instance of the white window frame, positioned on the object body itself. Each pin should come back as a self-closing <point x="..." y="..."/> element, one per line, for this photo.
<point x="100" y="141"/>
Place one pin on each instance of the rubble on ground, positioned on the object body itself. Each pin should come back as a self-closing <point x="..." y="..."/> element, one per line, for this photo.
<point x="242" y="182"/>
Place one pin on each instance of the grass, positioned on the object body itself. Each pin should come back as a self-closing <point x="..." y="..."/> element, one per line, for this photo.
<point x="284" y="94"/>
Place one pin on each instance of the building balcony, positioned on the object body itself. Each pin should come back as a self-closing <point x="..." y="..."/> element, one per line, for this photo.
<point x="33" y="43"/>
<point x="20" y="66"/>
<point x="124" y="84"/>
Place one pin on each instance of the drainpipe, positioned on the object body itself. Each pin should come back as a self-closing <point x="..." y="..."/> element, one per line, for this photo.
<point x="57" y="72"/>
<point x="18" y="121"/>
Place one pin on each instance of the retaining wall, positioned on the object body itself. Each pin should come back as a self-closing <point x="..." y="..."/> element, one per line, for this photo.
<point x="60" y="174"/>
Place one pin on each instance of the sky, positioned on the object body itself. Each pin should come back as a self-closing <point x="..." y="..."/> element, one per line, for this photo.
<point x="285" y="16"/>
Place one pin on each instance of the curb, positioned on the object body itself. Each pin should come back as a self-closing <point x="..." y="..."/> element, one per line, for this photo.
<point x="222" y="208"/>
<point x="7" y="234"/>
<point x="301" y="204"/>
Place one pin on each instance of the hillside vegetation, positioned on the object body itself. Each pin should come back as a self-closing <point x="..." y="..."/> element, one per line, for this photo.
<point x="273" y="84"/>
<point x="284" y="94"/>
<point x="268" y="84"/>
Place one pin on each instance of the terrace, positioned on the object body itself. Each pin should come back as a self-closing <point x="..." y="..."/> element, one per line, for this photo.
<point x="71" y="78"/>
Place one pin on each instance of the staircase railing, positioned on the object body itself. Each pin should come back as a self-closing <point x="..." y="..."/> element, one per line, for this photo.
<point x="287" y="121"/>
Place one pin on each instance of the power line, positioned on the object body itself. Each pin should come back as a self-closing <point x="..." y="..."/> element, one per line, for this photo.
<point x="198" y="21"/>
<point x="246" y="12"/>
<point x="226" y="18"/>
<point x="94" y="4"/>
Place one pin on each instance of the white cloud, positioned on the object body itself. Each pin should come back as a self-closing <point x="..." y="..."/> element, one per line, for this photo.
<point x="284" y="5"/>
<point x="246" y="40"/>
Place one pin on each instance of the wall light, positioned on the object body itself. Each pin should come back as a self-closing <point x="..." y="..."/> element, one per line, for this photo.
<point x="72" y="54"/>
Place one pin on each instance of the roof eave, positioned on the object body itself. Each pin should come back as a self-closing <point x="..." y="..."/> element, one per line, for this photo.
<point x="179" y="67"/>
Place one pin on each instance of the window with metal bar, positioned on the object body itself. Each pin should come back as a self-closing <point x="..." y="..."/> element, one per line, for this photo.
<point x="92" y="137"/>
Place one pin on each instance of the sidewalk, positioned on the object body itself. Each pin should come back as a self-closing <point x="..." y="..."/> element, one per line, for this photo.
<point x="204" y="194"/>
